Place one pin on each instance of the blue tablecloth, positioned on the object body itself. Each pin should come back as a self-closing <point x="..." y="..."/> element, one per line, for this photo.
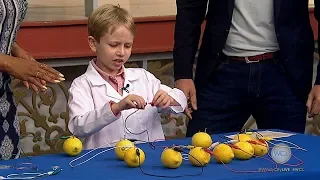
<point x="106" y="166"/>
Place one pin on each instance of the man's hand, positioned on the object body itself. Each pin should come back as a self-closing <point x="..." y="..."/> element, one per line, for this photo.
<point x="21" y="53"/>
<point x="313" y="102"/>
<point x="188" y="88"/>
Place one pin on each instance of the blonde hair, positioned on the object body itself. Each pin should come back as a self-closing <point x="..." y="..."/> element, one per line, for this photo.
<point x="106" y="18"/>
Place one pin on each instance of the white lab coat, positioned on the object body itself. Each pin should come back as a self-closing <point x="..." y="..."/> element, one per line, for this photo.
<point x="91" y="117"/>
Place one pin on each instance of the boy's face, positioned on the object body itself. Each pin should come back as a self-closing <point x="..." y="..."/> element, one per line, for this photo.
<point x="113" y="50"/>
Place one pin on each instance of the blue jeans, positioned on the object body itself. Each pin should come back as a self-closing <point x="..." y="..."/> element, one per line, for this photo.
<point x="237" y="90"/>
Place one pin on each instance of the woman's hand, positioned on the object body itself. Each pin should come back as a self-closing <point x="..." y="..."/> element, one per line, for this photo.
<point x="18" y="52"/>
<point x="32" y="71"/>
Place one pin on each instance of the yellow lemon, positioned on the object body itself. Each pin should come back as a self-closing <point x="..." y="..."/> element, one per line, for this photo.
<point x="121" y="147"/>
<point x="243" y="150"/>
<point x="223" y="153"/>
<point x="171" y="158"/>
<point x="201" y="139"/>
<point x="199" y="157"/>
<point x="72" y="146"/>
<point x="260" y="147"/>
<point x="134" y="157"/>
<point x="242" y="137"/>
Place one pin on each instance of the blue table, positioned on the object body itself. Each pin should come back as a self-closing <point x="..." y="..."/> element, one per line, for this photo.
<point x="106" y="166"/>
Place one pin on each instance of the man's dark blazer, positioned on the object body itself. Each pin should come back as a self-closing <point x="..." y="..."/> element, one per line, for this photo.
<point x="292" y="27"/>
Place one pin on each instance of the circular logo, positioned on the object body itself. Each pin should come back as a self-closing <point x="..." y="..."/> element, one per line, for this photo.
<point x="281" y="153"/>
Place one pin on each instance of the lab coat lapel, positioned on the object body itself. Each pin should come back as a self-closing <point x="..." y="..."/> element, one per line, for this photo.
<point x="111" y="92"/>
<point x="130" y="76"/>
<point x="97" y="81"/>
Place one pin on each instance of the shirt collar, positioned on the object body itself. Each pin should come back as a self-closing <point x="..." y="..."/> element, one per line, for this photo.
<point x="105" y="75"/>
<point x="96" y="79"/>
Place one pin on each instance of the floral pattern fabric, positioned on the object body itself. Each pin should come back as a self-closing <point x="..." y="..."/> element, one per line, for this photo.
<point x="12" y="13"/>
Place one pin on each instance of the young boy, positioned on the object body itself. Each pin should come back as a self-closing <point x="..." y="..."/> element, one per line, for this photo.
<point x="107" y="93"/>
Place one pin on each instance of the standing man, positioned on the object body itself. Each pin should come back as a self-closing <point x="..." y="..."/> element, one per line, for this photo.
<point x="255" y="58"/>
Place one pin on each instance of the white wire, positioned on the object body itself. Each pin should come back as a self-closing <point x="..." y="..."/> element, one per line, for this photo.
<point x="297" y="147"/>
<point x="20" y="176"/>
<point x="274" y="139"/>
<point x="290" y="143"/>
<point x="89" y="158"/>
<point x="185" y="156"/>
<point x="213" y="145"/>
<point x="5" y="178"/>
<point x="110" y="148"/>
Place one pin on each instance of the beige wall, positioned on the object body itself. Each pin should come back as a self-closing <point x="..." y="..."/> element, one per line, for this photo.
<point x="140" y="8"/>
<point x="75" y="9"/>
<point x="45" y="10"/>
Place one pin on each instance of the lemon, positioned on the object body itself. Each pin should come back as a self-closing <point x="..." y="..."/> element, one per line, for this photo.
<point x="260" y="147"/>
<point x="201" y="139"/>
<point x="121" y="147"/>
<point x="72" y="146"/>
<point x="132" y="158"/>
<point x="242" y="137"/>
<point x="171" y="158"/>
<point x="199" y="157"/>
<point x="223" y="153"/>
<point x="243" y="150"/>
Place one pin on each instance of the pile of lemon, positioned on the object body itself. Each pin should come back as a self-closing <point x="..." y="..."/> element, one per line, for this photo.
<point x="244" y="148"/>
<point x="247" y="147"/>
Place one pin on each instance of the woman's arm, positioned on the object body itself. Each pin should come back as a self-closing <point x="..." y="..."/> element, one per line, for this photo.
<point x="17" y="51"/>
<point x="4" y="59"/>
<point x="28" y="70"/>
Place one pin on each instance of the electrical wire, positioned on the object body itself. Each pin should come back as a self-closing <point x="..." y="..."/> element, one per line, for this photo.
<point x="153" y="146"/>
<point x="176" y="176"/>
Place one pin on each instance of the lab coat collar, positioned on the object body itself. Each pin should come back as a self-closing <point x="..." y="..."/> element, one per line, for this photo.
<point x="96" y="80"/>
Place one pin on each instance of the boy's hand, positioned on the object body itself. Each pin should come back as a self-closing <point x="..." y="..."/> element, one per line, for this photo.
<point x="131" y="101"/>
<point x="162" y="99"/>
